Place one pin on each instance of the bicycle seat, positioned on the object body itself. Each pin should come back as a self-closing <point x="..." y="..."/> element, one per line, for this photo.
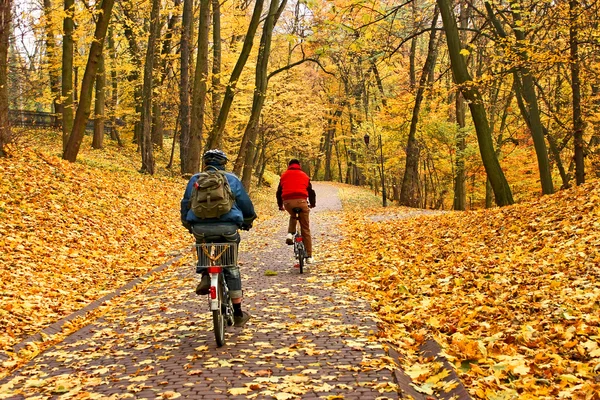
<point x="297" y="210"/>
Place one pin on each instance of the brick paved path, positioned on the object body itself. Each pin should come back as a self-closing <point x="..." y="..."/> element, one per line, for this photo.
<point x="305" y="341"/>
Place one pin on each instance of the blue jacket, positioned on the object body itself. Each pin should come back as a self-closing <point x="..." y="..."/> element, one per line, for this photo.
<point x="241" y="213"/>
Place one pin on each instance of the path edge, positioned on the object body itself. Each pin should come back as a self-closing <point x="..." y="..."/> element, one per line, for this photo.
<point x="57" y="326"/>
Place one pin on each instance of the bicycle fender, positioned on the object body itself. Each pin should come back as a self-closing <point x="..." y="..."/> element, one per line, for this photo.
<point x="214" y="284"/>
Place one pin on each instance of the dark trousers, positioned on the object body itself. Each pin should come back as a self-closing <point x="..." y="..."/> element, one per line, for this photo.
<point x="221" y="233"/>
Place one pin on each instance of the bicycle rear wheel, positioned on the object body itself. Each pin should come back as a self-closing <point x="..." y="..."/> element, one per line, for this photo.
<point x="218" y="317"/>
<point x="301" y="257"/>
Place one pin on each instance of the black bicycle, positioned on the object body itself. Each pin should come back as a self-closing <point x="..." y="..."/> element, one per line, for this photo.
<point x="299" y="249"/>
<point x="215" y="257"/>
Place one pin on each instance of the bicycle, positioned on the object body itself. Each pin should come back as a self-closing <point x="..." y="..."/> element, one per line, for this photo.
<point x="299" y="249"/>
<point x="219" y="301"/>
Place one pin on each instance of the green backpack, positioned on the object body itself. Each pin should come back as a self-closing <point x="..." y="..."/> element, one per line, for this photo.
<point x="211" y="196"/>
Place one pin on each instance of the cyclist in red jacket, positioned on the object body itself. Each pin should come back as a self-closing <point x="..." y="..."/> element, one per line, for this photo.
<point x="294" y="188"/>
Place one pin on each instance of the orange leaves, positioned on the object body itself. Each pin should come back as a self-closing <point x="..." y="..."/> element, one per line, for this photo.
<point x="512" y="292"/>
<point x="70" y="233"/>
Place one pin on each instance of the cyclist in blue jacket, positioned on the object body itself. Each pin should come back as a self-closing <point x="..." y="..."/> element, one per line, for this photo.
<point x="222" y="229"/>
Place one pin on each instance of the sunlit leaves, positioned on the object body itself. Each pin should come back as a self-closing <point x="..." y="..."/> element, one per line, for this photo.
<point x="69" y="234"/>
<point x="511" y="294"/>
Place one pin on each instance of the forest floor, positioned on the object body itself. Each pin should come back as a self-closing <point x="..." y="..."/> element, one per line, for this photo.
<point x="511" y="295"/>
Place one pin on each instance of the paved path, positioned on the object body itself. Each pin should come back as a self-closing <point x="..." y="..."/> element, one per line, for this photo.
<point x="304" y="340"/>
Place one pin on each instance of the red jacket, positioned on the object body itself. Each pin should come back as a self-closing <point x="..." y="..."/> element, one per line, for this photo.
<point x="295" y="184"/>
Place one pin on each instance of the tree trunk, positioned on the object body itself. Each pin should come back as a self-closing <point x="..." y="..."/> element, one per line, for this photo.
<point x="328" y="146"/>
<point x="319" y="156"/>
<point x="134" y="75"/>
<point x="502" y="192"/>
<point x="55" y="88"/>
<point x="98" y="139"/>
<point x="67" y="72"/>
<point x="114" y="94"/>
<point x="217" y="87"/>
<point x="576" y="89"/>
<point x="199" y="94"/>
<point x="409" y="193"/>
<point x="460" y="187"/>
<point x="83" y="110"/>
<point x="339" y="162"/>
<point x="158" y="125"/>
<point x="5" y="21"/>
<point x="146" y="139"/>
<point x="184" y="86"/>
<point x="246" y="152"/>
<point x="216" y="134"/>
<point x="525" y="88"/>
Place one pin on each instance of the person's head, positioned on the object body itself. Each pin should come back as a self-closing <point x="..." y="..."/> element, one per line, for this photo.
<point x="293" y="161"/>
<point x="215" y="158"/>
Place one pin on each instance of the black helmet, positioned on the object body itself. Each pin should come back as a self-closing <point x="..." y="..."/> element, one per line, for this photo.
<point x="215" y="157"/>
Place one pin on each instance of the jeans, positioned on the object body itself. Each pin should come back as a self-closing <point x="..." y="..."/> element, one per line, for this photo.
<point x="221" y="233"/>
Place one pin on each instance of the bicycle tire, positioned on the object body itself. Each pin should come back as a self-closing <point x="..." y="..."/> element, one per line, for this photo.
<point x="218" y="318"/>
<point x="301" y="256"/>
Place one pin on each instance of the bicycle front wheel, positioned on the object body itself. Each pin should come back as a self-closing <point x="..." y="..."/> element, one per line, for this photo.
<point x="218" y="317"/>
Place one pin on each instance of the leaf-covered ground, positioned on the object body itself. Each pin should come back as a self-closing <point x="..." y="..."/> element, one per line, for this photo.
<point x="72" y="232"/>
<point x="511" y="294"/>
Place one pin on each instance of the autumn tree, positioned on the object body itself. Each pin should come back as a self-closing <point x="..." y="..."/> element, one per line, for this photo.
<point x="409" y="194"/>
<point x="525" y="89"/>
<point x="5" y="21"/>
<point x="184" y="85"/>
<point x="502" y="192"/>
<point x="216" y="133"/>
<point x="52" y="64"/>
<point x="199" y="92"/>
<point x="244" y="160"/>
<point x="147" y="94"/>
<point x="99" y="105"/>
<point x="67" y="72"/>
<point x="83" y="109"/>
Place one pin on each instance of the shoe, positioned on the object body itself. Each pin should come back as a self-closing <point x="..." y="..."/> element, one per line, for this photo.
<point x="203" y="287"/>
<point x="309" y="260"/>
<point x="241" y="320"/>
<point x="289" y="239"/>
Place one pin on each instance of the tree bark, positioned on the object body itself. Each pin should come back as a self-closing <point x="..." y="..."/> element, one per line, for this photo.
<point x="217" y="87"/>
<point x="134" y="75"/>
<point x="576" y="89"/>
<point x="184" y="86"/>
<point x="5" y="21"/>
<point x="67" y="72"/>
<point x="200" y="88"/>
<point x="98" y="139"/>
<point x="525" y="83"/>
<point x="158" y="125"/>
<point x="460" y="187"/>
<point x="83" y="110"/>
<point x="409" y="193"/>
<point x="246" y="152"/>
<point x="147" y="93"/>
<point x="216" y="134"/>
<point x="502" y="192"/>
<point x="114" y="93"/>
